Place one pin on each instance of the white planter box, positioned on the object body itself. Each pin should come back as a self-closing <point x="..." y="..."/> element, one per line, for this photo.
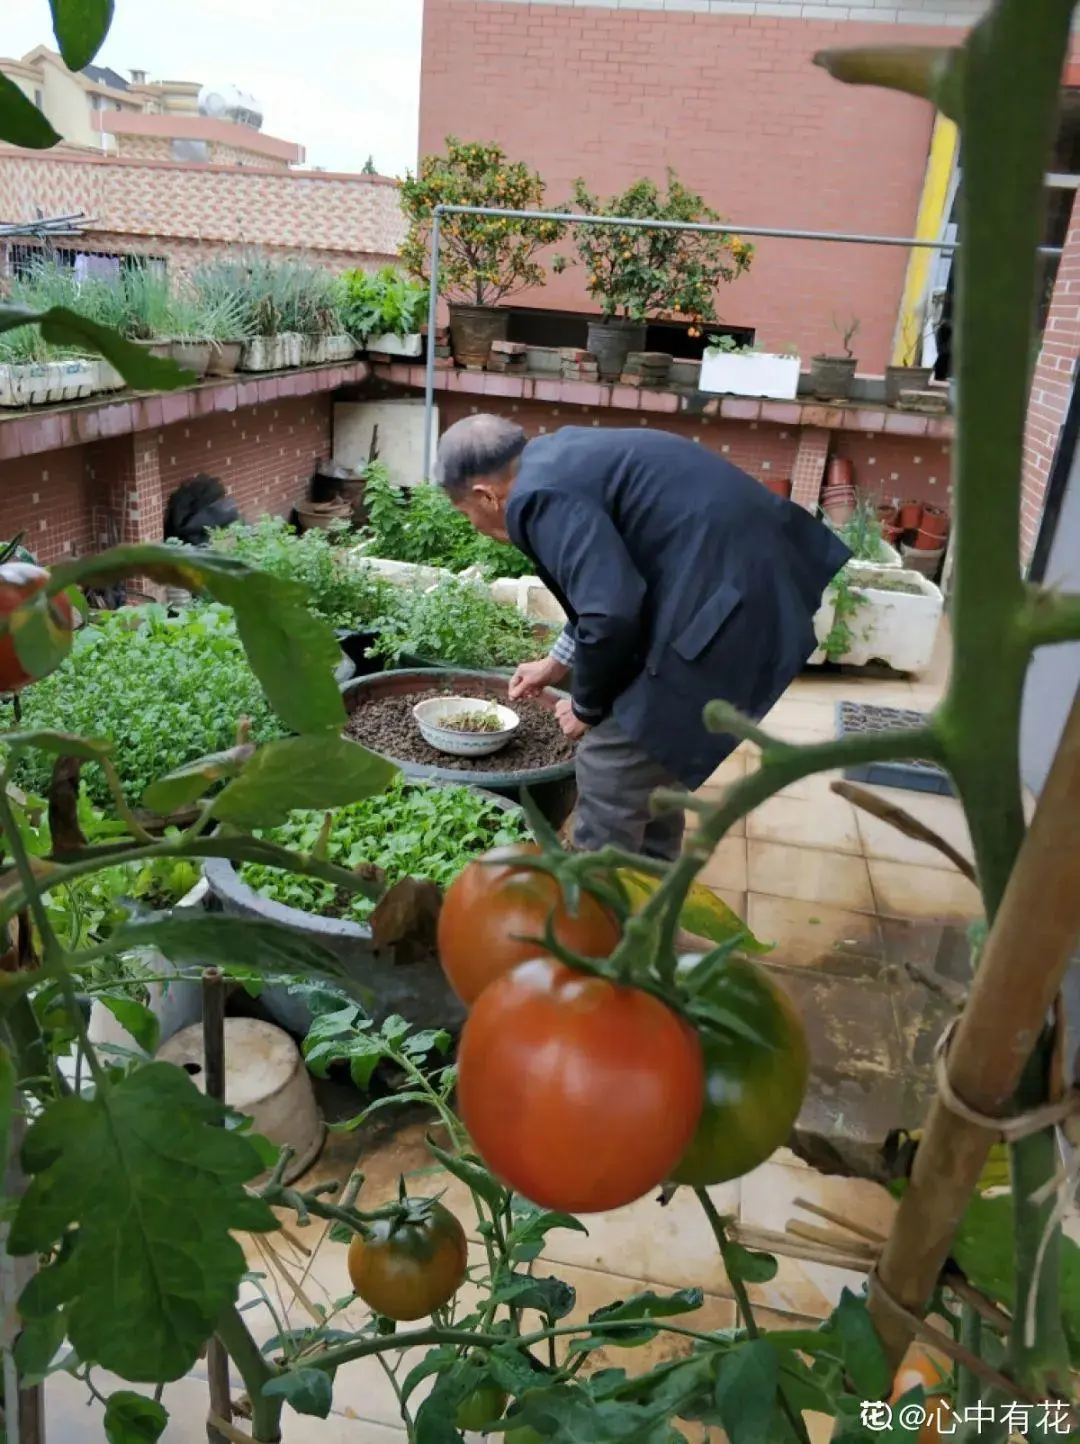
<point x="890" y="559"/>
<point x="339" y="348"/>
<point x="750" y="373"/>
<point x="272" y="353"/>
<point x="896" y="628"/>
<point x="40" y="382"/>
<point x="109" y="379"/>
<point x="391" y="345"/>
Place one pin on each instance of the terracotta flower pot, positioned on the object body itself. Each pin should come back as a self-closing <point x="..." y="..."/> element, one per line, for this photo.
<point x="910" y="515"/>
<point x="840" y="472"/>
<point x="935" y="521"/>
<point x="888" y="514"/>
<point x="891" y="532"/>
<point x="928" y="541"/>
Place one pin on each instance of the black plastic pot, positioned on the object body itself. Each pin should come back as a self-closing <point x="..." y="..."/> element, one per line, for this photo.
<point x="553" y="789"/>
<point x="416" y="988"/>
<point x="355" y="646"/>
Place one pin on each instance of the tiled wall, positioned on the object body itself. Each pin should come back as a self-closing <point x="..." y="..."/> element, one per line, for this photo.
<point x="355" y="215"/>
<point x="263" y="454"/>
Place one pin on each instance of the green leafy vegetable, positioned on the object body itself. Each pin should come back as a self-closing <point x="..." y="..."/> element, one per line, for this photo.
<point x="459" y="624"/>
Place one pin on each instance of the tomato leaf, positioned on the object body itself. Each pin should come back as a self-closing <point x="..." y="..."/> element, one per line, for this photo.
<point x="864" y="1358"/>
<point x="135" y="1019"/>
<point x="194" y="780"/>
<point x="80" y="27"/>
<point x="212" y="938"/>
<point x="132" y="1419"/>
<point x="514" y="1369"/>
<point x="472" y="1173"/>
<point x="750" y="1268"/>
<point x="435" y="1361"/>
<point x="152" y="1188"/>
<point x="7" y="1103"/>
<point x="40" y="643"/>
<point x="703" y="913"/>
<point x="548" y="1296"/>
<point x="21" y="123"/>
<point x="62" y="744"/>
<point x="308" y="1391"/>
<point x="313" y="773"/>
<point x="525" y="1241"/>
<point x="641" y="1308"/>
<point x="746" y="1391"/>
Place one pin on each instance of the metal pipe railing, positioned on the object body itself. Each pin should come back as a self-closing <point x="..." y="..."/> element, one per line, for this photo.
<point x="781" y="233"/>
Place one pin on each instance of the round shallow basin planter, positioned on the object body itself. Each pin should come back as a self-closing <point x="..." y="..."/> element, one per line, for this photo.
<point x="611" y="342"/>
<point x="472" y="330"/>
<point x="415" y="988"/>
<point x="225" y="358"/>
<point x="553" y="789"/>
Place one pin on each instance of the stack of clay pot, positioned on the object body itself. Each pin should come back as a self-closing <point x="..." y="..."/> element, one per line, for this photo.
<point x="925" y="531"/>
<point x="838" y="493"/>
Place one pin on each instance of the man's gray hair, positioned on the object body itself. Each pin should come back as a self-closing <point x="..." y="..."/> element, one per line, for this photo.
<point x="476" y="446"/>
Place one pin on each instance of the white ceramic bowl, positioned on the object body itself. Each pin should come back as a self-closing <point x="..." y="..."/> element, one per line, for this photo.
<point x="429" y="715"/>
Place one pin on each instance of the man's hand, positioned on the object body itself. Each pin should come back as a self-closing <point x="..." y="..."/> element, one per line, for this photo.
<point x="572" y="726"/>
<point x="531" y="678"/>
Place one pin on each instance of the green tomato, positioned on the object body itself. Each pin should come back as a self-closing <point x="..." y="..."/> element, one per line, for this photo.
<point x="527" y="1435"/>
<point x="754" y="1087"/>
<point x="480" y="1409"/>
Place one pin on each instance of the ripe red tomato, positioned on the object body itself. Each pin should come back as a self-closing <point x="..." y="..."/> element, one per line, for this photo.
<point x="406" y="1268"/>
<point x="753" y="1090"/>
<point x="494" y="903"/>
<point x="579" y="1093"/>
<point x="18" y="581"/>
<point x="930" y="1372"/>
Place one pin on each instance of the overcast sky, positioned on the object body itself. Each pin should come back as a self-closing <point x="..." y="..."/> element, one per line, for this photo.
<point x="341" y="77"/>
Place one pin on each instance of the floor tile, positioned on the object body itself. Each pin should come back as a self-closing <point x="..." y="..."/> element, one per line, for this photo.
<point x="904" y="890"/>
<point x="767" y="1199"/>
<point x="815" y="787"/>
<point x="737" y="829"/>
<point x="730" y="770"/>
<point x="832" y="878"/>
<point x="811" y="934"/>
<point x="727" y="867"/>
<point x="823" y="822"/>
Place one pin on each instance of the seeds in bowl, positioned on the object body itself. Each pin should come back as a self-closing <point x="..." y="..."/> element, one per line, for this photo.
<point x="481" y="720"/>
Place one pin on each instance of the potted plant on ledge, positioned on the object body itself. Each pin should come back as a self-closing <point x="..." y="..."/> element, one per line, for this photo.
<point x="636" y="274"/>
<point x="831" y="377"/>
<point x="482" y="259"/>
<point x="384" y="312"/>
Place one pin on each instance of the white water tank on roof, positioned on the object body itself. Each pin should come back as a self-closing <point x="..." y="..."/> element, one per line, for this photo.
<point x="227" y="102"/>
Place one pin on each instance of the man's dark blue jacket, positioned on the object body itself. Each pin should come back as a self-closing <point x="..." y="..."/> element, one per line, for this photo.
<point x="684" y="580"/>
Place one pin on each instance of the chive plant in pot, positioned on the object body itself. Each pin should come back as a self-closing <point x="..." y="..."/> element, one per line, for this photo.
<point x="384" y="312"/>
<point x="831" y="377"/>
<point x="907" y="375"/>
<point x="204" y="332"/>
<point x="482" y="259"/>
<point x="33" y="371"/>
<point x="147" y="305"/>
<point x="637" y="274"/>
<point x="227" y="305"/>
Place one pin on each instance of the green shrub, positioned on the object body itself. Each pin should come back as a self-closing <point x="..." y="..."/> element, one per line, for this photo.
<point x="385" y="304"/>
<point x="459" y="624"/>
<point x="344" y="595"/>
<point x="422" y="526"/>
<point x="410" y="830"/>
<point x="164" y="690"/>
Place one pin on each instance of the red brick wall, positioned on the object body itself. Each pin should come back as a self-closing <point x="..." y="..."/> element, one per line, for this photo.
<point x="264" y="455"/>
<point x="734" y="104"/>
<point x="898" y="467"/>
<point x="62" y="499"/>
<point x="1052" y="385"/>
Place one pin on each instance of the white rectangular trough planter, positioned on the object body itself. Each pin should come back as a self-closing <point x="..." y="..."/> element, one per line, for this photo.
<point x="40" y="382"/>
<point x="390" y="345"/>
<point x="897" y="628"/>
<point x="750" y="373"/>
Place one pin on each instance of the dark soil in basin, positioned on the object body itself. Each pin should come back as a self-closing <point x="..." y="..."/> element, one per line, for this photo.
<point x="387" y="726"/>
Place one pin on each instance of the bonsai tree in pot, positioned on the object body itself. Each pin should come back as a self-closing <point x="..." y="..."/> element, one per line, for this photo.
<point x="907" y="374"/>
<point x="482" y="259"/>
<point x="831" y="376"/>
<point x="635" y="274"/>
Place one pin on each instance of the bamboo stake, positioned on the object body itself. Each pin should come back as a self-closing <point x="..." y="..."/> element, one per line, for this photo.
<point x="217" y="1360"/>
<point x="859" y="1229"/>
<point x="829" y="1238"/>
<point x="1019" y="975"/>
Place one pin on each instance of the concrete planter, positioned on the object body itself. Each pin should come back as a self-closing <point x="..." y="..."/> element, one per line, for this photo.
<point x="338" y="348"/>
<point x="750" y="373"/>
<point x="39" y="383"/>
<point x="390" y="345"/>
<point x="897" y="628"/>
<point x="272" y="353"/>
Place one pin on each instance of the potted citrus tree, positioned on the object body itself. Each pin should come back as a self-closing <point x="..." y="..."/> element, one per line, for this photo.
<point x="638" y="273"/>
<point x="482" y="259"/>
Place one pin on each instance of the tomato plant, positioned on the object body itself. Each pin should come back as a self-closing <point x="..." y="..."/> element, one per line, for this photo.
<point x="756" y="1073"/>
<point x="407" y="1267"/>
<point x="19" y="581"/>
<point x="495" y="906"/>
<point x="580" y="1093"/>
<point x="480" y="1409"/>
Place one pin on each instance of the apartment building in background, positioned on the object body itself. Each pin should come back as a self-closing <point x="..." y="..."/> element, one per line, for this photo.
<point x="178" y="171"/>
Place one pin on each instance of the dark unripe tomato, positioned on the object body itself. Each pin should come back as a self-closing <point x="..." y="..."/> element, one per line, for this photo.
<point x="579" y="1093"/>
<point x="494" y="903"/>
<point x="753" y="1090"/>
<point x="481" y="1409"/>
<point x="18" y="582"/>
<point x="407" y="1267"/>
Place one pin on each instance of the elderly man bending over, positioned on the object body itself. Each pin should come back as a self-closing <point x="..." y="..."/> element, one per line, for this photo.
<point x="683" y="580"/>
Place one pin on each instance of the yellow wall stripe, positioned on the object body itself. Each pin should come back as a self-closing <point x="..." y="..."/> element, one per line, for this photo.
<point x="935" y="194"/>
